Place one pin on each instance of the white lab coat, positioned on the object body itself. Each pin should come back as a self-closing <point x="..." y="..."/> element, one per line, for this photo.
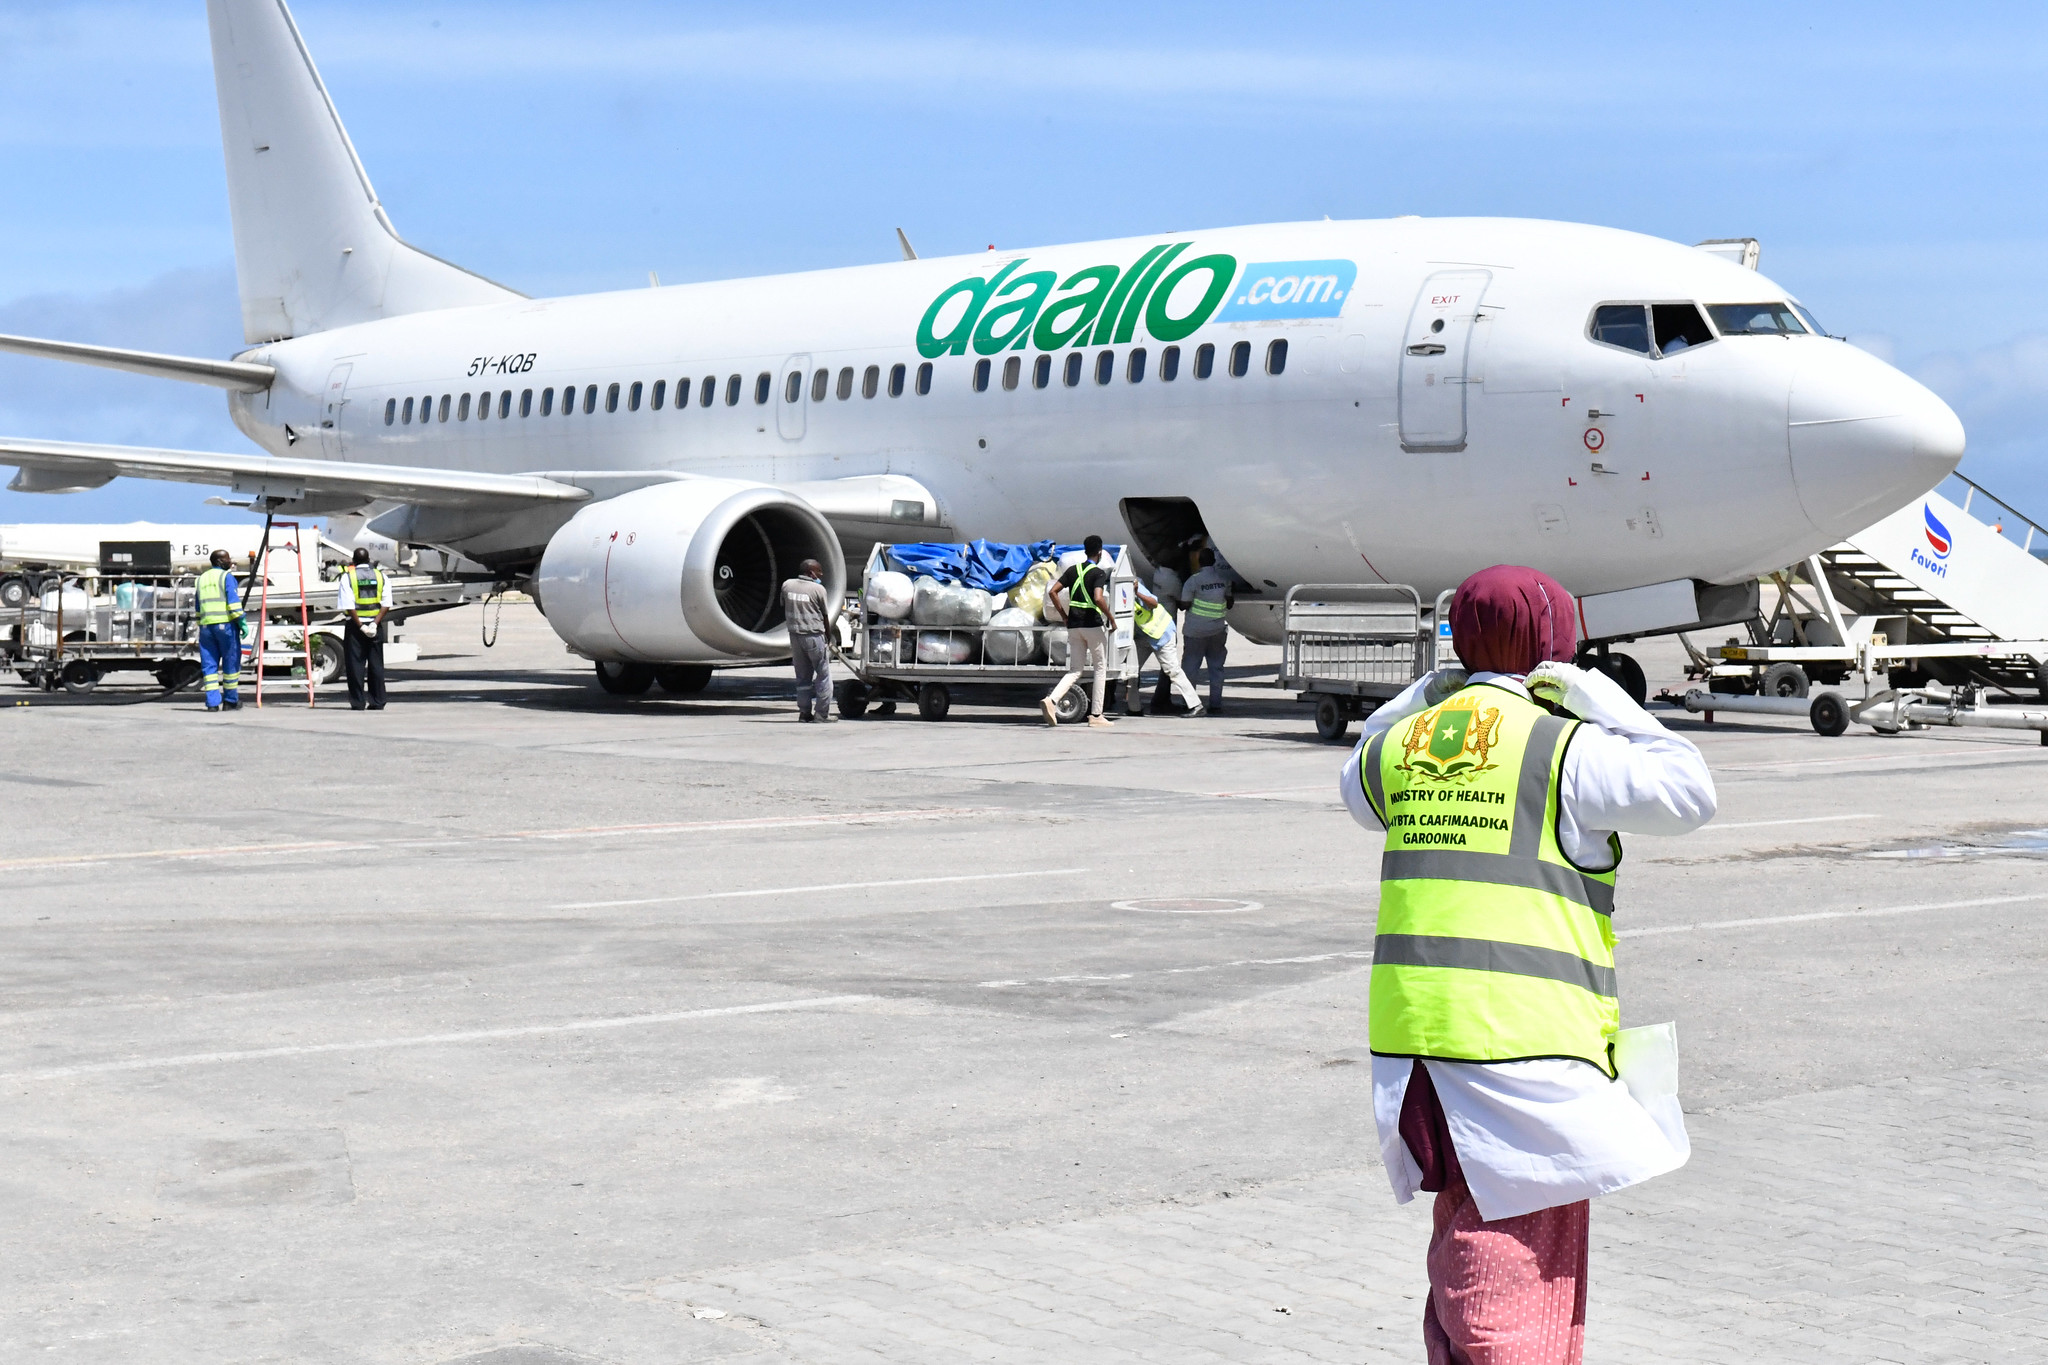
<point x="1536" y="1134"/>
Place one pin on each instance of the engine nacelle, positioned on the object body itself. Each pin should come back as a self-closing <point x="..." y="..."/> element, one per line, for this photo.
<point x="683" y="572"/>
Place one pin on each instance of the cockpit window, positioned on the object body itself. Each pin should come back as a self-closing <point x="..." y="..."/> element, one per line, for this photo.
<point x="1679" y="326"/>
<point x="1806" y="316"/>
<point x="1622" y="324"/>
<point x="1756" y="319"/>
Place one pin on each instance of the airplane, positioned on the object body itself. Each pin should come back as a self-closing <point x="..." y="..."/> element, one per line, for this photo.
<point x="1399" y="401"/>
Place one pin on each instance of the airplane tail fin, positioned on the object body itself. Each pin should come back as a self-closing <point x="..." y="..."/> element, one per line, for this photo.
<point x="313" y="247"/>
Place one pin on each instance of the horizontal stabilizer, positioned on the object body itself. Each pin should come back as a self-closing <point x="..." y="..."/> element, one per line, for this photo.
<point x="241" y="376"/>
<point x="306" y="485"/>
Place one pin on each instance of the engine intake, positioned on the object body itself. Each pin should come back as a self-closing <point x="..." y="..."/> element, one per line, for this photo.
<point x="683" y="572"/>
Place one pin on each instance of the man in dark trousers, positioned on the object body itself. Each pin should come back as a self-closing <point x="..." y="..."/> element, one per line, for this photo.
<point x="807" y="608"/>
<point x="364" y="596"/>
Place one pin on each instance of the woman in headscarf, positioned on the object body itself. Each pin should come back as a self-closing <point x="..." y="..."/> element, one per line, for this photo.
<point x="1501" y="1078"/>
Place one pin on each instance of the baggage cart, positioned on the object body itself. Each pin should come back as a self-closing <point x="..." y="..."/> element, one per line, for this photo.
<point x="883" y="656"/>
<point x="1347" y="647"/>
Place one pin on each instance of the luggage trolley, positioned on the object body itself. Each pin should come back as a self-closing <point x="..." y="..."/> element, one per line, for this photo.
<point x="1346" y="647"/>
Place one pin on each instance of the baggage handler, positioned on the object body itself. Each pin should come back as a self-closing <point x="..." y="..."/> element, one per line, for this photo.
<point x="363" y="596"/>
<point x="1209" y="599"/>
<point x="1158" y="636"/>
<point x="808" y="610"/>
<point x="1082" y="597"/>
<point x="219" y="600"/>
<point x="1494" y="1011"/>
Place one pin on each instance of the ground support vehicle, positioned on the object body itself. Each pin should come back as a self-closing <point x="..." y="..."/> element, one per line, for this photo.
<point x="882" y="657"/>
<point x="1347" y="647"/>
<point x="76" y="633"/>
<point x="1889" y="711"/>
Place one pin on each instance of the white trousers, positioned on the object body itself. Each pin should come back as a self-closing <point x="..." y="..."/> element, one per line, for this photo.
<point x="1166" y="653"/>
<point x="1087" y="648"/>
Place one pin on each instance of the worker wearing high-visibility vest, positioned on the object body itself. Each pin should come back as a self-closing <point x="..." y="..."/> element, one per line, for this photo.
<point x="1502" y="1079"/>
<point x="219" y="600"/>
<point x="363" y="598"/>
<point x="1154" y="633"/>
<point x="1209" y="599"/>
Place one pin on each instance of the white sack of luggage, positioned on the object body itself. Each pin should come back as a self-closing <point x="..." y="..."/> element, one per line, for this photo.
<point x="889" y="595"/>
<point x="1010" y="638"/>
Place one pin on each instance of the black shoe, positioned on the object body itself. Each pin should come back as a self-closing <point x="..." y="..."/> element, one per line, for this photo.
<point x="376" y="706"/>
<point x="807" y="718"/>
<point x="355" y="706"/>
<point x="213" y="708"/>
<point x="231" y="705"/>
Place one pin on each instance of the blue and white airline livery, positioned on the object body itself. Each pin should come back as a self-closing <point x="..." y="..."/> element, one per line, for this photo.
<point x="1399" y="401"/>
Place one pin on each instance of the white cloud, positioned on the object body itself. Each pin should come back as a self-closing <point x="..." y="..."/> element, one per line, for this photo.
<point x="2001" y="393"/>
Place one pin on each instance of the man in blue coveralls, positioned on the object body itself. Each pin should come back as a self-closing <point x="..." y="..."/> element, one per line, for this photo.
<point x="220" y="633"/>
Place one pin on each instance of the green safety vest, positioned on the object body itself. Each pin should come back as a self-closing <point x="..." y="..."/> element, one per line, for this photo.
<point x="1492" y="945"/>
<point x="1080" y="594"/>
<point x="369" y="594"/>
<point x="1154" y="621"/>
<point x="1211" y="607"/>
<point x="212" y="593"/>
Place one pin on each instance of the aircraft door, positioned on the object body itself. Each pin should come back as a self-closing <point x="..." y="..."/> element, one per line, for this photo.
<point x="791" y="396"/>
<point x="331" y="404"/>
<point x="1433" y="359"/>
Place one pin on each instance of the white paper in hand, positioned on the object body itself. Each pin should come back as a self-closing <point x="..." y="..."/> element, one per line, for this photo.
<point x="1647" y="1059"/>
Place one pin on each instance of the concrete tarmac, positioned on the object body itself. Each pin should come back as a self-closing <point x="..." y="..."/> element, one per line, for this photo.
<point x="521" y="1025"/>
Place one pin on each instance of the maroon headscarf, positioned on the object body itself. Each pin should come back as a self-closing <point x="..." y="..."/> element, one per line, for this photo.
<point x="1508" y="619"/>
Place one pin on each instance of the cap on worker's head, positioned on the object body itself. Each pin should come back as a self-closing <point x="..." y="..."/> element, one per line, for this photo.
<point x="362" y="556"/>
<point x="1093" y="545"/>
<point x="220" y="559"/>
<point x="1508" y="619"/>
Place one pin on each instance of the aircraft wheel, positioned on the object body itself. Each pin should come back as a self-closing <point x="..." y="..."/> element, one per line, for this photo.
<point x="1828" y="715"/>
<point x="1785" y="680"/>
<point x="934" y="701"/>
<point x="623" y="679"/>
<point x="683" y="680"/>
<point x="1331" y="720"/>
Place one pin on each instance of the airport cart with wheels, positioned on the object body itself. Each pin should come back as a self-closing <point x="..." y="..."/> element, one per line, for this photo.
<point x="883" y="657"/>
<point x="1347" y="647"/>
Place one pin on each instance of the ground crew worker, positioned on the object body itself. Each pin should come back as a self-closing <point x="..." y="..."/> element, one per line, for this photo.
<point x="1501" y="1078"/>
<point x="1082" y="597"/>
<point x="1156" y="634"/>
<point x="1209" y="598"/>
<point x="364" y="596"/>
<point x="808" y="609"/>
<point x="220" y="632"/>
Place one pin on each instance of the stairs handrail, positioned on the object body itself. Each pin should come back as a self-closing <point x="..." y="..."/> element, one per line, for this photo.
<point x="2034" y="529"/>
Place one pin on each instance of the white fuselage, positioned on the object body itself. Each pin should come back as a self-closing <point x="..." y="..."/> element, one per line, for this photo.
<point x="1606" y="467"/>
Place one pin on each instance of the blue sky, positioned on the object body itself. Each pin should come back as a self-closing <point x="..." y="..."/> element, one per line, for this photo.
<point x="1890" y="157"/>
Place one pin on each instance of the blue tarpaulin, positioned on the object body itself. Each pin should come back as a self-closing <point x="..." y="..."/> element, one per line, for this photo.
<point x="989" y="565"/>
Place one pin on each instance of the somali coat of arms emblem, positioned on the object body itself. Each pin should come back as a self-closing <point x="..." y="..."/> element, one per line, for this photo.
<point x="1452" y="741"/>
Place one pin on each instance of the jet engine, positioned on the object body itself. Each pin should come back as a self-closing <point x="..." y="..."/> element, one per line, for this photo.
<point x="683" y="572"/>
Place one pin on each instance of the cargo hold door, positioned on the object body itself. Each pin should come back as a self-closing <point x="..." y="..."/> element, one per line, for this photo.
<point x="1434" y="351"/>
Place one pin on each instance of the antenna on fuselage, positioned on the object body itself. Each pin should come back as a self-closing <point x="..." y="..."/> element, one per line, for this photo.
<point x="909" y="251"/>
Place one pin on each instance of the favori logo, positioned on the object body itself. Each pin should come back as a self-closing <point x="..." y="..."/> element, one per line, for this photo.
<point x="1938" y="539"/>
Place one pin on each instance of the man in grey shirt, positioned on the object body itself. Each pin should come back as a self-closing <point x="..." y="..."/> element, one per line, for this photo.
<point x="1209" y="598"/>
<point x="808" y="609"/>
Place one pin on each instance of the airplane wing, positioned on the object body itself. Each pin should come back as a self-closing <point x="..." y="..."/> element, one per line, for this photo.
<point x="312" y="486"/>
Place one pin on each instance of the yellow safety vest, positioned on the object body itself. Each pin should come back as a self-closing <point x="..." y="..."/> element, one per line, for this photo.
<point x="212" y="594"/>
<point x="1081" y="595"/>
<point x="1492" y="945"/>
<point x="1154" y="621"/>
<point x="369" y="593"/>
<point x="1211" y="607"/>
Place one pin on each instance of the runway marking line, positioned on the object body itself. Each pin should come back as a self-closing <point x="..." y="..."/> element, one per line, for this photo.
<point x="1801" y="820"/>
<point x="824" y="886"/>
<point x="55" y="1073"/>
<point x="1811" y="916"/>
<point x="882" y="817"/>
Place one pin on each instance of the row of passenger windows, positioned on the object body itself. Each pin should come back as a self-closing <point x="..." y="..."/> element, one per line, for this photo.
<point x="1135" y="360"/>
<point x="460" y="407"/>
<point x="1659" y="329"/>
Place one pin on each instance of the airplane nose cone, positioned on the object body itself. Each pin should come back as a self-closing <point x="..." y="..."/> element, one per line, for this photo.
<point x="1865" y="439"/>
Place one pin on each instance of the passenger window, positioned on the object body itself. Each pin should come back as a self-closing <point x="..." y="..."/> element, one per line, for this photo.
<point x="462" y="409"/>
<point x="764" y="384"/>
<point x="526" y="403"/>
<point x="1623" y="325"/>
<point x="682" y="393"/>
<point x="1679" y="326"/>
<point x="708" y="390"/>
<point x="1755" y="319"/>
<point x="871" y="381"/>
<point x="732" y="391"/>
<point x="407" y="419"/>
<point x="1169" y="364"/>
<point x="1240" y="360"/>
<point x="1134" y="371"/>
<point x="590" y="398"/>
<point x="1041" y="372"/>
<point x="505" y="404"/>
<point x="633" y="397"/>
<point x="1205" y="360"/>
<point x="896" y="373"/>
<point x="1071" y="376"/>
<point x="547" y="402"/>
<point x="981" y="368"/>
<point x="819" y="382"/>
<point x="1013" y="369"/>
<point x="611" y="399"/>
<point x="483" y="406"/>
<point x="793" y="386"/>
<point x="924" y="379"/>
<point x="1276" y="356"/>
<point x="846" y="382"/>
<point x="390" y="412"/>
<point x="660" y="392"/>
<point x="445" y="401"/>
<point x="1105" y="366"/>
<point x="427" y="409"/>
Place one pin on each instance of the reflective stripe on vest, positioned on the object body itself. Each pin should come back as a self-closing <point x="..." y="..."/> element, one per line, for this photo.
<point x="1211" y="607"/>
<point x="1491" y="945"/>
<point x="1154" y="621"/>
<point x="212" y="595"/>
